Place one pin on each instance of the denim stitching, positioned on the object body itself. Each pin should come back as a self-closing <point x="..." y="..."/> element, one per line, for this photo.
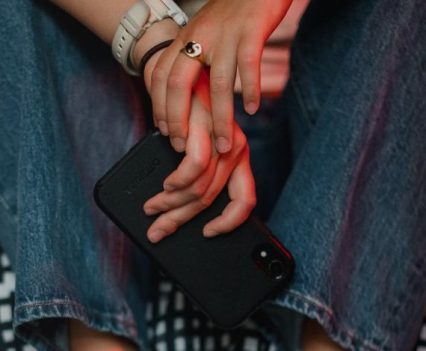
<point x="302" y="99"/>
<point x="73" y="303"/>
<point x="8" y="208"/>
<point x="72" y="314"/>
<point x="335" y="328"/>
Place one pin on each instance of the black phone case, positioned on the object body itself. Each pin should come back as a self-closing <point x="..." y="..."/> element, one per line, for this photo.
<point x="228" y="276"/>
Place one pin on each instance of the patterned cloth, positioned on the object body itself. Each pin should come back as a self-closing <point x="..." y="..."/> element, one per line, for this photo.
<point x="171" y="319"/>
<point x="167" y="318"/>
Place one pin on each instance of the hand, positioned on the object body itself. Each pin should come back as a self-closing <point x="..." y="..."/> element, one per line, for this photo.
<point x="201" y="176"/>
<point x="232" y="35"/>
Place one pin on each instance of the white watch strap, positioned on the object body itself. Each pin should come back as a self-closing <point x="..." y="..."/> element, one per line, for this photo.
<point x="167" y="9"/>
<point x="128" y="32"/>
<point x="136" y="21"/>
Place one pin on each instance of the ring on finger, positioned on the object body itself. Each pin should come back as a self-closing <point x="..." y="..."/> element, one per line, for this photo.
<point x="194" y="50"/>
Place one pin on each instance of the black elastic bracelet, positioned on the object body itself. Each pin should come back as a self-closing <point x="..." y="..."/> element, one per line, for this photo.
<point x="151" y="52"/>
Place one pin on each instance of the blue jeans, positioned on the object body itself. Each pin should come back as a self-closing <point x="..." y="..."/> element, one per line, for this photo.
<point x="352" y="210"/>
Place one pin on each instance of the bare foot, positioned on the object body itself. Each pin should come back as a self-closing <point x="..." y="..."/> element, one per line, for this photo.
<point x="314" y="338"/>
<point x="83" y="338"/>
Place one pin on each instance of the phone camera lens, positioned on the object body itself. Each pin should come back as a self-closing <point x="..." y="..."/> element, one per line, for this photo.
<point x="277" y="269"/>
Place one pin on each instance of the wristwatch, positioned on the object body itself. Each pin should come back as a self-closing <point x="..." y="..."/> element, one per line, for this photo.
<point x="136" y="21"/>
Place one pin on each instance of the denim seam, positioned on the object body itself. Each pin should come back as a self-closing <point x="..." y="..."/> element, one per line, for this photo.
<point x="71" y="303"/>
<point x="329" y="324"/>
<point x="121" y="255"/>
<point x="77" y="314"/>
<point x="301" y="99"/>
<point x="8" y="209"/>
<point x="369" y="135"/>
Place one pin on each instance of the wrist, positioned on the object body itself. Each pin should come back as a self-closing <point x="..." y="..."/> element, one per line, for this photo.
<point x="149" y="68"/>
<point x="159" y="31"/>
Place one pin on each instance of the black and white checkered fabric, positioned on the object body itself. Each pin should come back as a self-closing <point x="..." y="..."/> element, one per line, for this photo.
<point x="8" y="341"/>
<point x="173" y="323"/>
<point x="421" y="344"/>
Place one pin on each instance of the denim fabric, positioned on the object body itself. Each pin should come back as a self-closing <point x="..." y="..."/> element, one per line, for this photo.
<point x="270" y="150"/>
<point x="67" y="113"/>
<point x="352" y="210"/>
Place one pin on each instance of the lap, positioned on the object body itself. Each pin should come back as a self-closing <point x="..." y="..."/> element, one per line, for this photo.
<point x="352" y="210"/>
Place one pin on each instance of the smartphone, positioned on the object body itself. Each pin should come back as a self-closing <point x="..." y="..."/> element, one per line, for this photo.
<point x="228" y="276"/>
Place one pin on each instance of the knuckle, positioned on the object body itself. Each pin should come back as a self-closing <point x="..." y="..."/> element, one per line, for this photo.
<point x="175" y="121"/>
<point x="249" y="60"/>
<point x="198" y="164"/>
<point x="205" y="201"/>
<point x="240" y="141"/>
<point x="159" y="75"/>
<point x="176" y="82"/>
<point x="172" y="224"/>
<point x="220" y="84"/>
<point x="175" y="129"/>
<point x="159" y="113"/>
<point x="198" y="190"/>
<point x="250" y="202"/>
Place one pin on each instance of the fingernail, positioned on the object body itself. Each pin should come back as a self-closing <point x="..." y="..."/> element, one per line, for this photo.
<point x="156" y="235"/>
<point x="222" y="145"/>
<point x="178" y="144"/>
<point x="251" y="108"/>
<point x="168" y="187"/>
<point x="149" y="211"/>
<point x="162" y="125"/>
<point x="208" y="233"/>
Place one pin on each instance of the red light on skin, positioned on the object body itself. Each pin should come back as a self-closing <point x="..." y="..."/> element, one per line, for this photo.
<point x="202" y="88"/>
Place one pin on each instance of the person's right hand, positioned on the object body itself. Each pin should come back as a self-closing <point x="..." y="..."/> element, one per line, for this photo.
<point x="202" y="175"/>
<point x="232" y="35"/>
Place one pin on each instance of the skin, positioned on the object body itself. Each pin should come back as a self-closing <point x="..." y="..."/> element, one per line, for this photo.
<point x="174" y="84"/>
<point x="203" y="172"/>
<point x="202" y="175"/>
<point x="314" y="338"/>
<point x="232" y="34"/>
<point x="83" y="338"/>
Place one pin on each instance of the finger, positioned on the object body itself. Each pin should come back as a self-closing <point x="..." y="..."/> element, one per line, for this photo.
<point x="222" y="81"/>
<point x="168" y="200"/>
<point x="243" y="199"/>
<point x="226" y="164"/>
<point x="158" y="85"/>
<point x="182" y="77"/>
<point x="170" y="221"/>
<point x="208" y="186"/>
<point x="249" y="55"/>
<point x="198" y="150"/>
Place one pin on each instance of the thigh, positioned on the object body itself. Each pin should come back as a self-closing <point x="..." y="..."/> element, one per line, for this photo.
<point x="68" y="112"/>
<point x="353" y="209"/>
